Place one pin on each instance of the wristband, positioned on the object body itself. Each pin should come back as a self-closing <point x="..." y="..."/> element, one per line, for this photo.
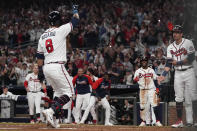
<point x="164" y="73"/>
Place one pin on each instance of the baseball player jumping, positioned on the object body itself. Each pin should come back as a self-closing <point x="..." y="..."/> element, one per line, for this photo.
<point x="145" y="77"/>
<point x="181" y="54"/>
<point x="33" y="88"/>
<point x="52" y="51"/>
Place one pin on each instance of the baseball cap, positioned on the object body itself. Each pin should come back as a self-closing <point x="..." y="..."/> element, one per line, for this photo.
<point x="178" y="29"/>
<point x="4" y="86"/>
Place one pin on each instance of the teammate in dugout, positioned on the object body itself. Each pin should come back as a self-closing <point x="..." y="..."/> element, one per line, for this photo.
<point x="181" y="54"/>
<point x="145" y="77"/>
<point x="91" y="106"/>
<point x="82" y="84"/>
<point x="52" y="52"/>
<point x="100" y="90"/>
<point x="33" y="87"/>
<point x="5" y="103"/>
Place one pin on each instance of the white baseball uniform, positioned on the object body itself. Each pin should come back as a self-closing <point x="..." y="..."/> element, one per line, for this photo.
<point x="34" y="94"/>
<point x="147" y="88"/>
<point x="184" y="80"/>
<point x="5" y="104"/>
<point x="52" y="44"/>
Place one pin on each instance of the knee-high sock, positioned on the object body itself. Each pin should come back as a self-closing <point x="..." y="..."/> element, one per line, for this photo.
<point x="59" y="102"/>
<point x="156" y="111"/>
<point x="194" y="106"/>
<point x="179" y="110"/>
<point x="142" y="114"/>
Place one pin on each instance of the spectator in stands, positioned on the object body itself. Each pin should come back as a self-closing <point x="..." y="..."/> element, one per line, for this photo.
<point x="127" y="64"/>
<point x="99" y="60"/>
<point x="78" y="61"/>
<point x="128" y="78"/>
<point x="4" y="80"/>
<point x="12" y="74"/>
<point x="22" y="73"/>
<point x="114" y="74"/>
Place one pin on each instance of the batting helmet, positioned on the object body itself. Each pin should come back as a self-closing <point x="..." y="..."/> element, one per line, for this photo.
<point x="178" y="29"/>
<point x="55" y="18"/>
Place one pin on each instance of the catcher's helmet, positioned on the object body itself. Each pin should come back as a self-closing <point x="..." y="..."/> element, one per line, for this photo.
<point x="178" y="29"/>
<point x="55" y="18"/>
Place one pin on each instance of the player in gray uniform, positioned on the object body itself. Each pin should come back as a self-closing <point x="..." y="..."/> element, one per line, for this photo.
<point x="5" y="104"/>
<point x="181" y="54"/>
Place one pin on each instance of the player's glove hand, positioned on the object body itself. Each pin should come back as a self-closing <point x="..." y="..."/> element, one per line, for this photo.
<point x="75" y="9"/>
<point x="40" y="74"/>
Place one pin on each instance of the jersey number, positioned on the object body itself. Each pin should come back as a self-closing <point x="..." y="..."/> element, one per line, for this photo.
<point x="49" y="45"/>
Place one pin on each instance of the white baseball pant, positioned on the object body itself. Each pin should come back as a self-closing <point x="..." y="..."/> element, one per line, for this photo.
<point x="149" y="115"/>
<point x="59" y="79"/>
<point x="34" y="99"/>
<point x="145" y="96"/>
<point x="82" y="102"/>
<point x="185" y="89"/>
<point x="68" y="107"/>
<point x="88" y="109"/>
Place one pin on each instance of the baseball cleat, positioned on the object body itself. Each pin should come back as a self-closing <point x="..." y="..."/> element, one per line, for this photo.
<point x="158" y="123"/>
<point x="94" y="122"/>
<point x="189" y="124"/>
<point x="32" y="122"/>
<point x="195" y="125"/>
<point x="56" y="122"/>
<point x="66" y="121"/>
<point x="142" y="124"/>
<point x="178" y="124"/>
<point x="108" y="124"/>
<point x="48" y="113"/>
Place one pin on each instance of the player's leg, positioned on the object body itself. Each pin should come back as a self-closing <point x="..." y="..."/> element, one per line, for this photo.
<point x="85" y="104"/>
<point x="153" y="116"/>
<point x="106" y="105"/>
<point x="190" y="96"/>
<point x="153" y="100"/>
<point x="93" y="113"/>
<point x="61" y="83"/>
<point x="37" y="105"/>
<point x="90" y="105"/>
<point x="179" y="97"/>
<point x="79" y="101"/>
<point x="148" y="113"/>
<point x="143" y="102"/>
<point x="31" y="102"/>
<point x="67" y="112"/>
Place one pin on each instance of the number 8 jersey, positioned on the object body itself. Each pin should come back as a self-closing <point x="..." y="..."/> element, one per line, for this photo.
<point x="52" y="43"/>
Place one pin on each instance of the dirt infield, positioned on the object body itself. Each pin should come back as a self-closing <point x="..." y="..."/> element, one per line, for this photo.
<point x="70" y="127"/>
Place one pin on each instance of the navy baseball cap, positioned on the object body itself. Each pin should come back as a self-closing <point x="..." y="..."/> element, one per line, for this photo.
<point x="3" y="86"/>
<point x="178" y="29"/>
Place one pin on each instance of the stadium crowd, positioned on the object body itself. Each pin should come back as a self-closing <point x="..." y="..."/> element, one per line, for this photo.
<point x="112" y="35"/>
